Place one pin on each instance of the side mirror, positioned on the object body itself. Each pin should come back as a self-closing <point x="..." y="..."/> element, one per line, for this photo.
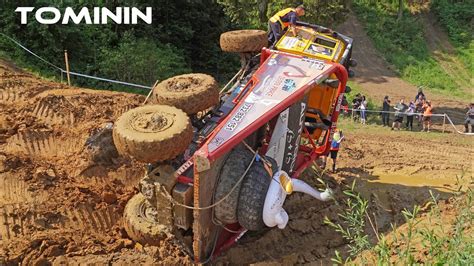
<point x="351" y="73"/>
<point x="352" y="63"/>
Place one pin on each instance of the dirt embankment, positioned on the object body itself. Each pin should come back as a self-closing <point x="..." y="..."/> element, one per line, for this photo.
<point x="62" y="192"/>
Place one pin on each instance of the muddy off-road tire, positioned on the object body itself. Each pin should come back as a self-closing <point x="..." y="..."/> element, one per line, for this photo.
<point x="243" y="41"/>
<point x="252" y="196"/>
<point x="190" y="92"/>
<point x="233" y="169"/>
<point x="139" y="226"/>
<point x="152" y="133"/>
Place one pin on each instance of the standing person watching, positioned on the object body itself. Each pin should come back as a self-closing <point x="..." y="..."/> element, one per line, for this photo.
<point x="410" y="114"/>
<point x="385" y="108"/>
<point x="281" y="21"/>
<point x="420" y="94"/>
<point x="335" y="144"/>
<point x="419" y="109"/>
<point x="356" y="102"/>
<point x="427" y="116"/>
<point x="400" y="110"/>
<point x="469" y="119"/>
<point x="363" y="107"/>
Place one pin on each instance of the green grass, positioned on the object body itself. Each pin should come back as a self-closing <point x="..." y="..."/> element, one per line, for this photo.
<point x="456" y="18"/>
<point x="466" y="55"/>
<point x="403" y="45"/>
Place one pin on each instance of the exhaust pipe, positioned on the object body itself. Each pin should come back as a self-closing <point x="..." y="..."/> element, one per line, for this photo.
<point x="281" y="186"/>
<point x="301" y="186"/>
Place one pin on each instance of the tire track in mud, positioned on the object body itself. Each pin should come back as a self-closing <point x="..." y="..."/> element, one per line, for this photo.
<point x="10" y="95"/>
<point x="19" y="220"/>
<point x="14" y="220"/>
<point x="49" y="113"/>
<point x="96" y="175"/>
<point x="44" y="144"/>
<point x="51" y="183"/>
<point x="84" y="217"/>
<point x="15" y="190"/>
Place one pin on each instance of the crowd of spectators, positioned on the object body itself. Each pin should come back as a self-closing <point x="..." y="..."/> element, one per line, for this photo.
<point x="419" y="108"/>
<point x="359" y="105"/>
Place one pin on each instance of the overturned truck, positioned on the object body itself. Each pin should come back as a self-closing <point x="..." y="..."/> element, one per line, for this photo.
<point x="222" y="163"/>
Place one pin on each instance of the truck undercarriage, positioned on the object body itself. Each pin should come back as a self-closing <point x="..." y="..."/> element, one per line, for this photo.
<point x="272" y="121"/>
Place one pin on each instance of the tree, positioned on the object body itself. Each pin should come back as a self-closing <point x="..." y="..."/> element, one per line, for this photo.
<point x="185" y="33"/>
<point x="142" y="61"/>
<point x="245" y="14"/>
<point x="262" y="10"/>
<point x="400" y="9"/>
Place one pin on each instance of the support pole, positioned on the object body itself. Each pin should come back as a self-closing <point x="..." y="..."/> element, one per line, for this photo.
<point x="67" y="68"/>
<point x="444" y="122"/>
<point x="151" y="91"/>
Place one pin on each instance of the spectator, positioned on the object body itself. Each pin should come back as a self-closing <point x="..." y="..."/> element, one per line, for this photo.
<point x="335" y="144"/>
<point x="344" y="105"/>
<point x="427" y="116"/>
<point x="469" y="119"/>
<point x="363" y="107"/>
<point x="420" y="94"/>
<point x="419" y="109"/>
<point x="385" y="108"/>
<point x="410" y="114"/>
<point x="356" y="105"/>
<point x="400" y="110"/>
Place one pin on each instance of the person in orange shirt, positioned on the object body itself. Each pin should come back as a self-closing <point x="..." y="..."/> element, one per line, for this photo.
<point x="427" y="116"/>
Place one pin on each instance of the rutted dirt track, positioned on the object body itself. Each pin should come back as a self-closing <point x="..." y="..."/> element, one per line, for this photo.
<point x="62" y="193"/>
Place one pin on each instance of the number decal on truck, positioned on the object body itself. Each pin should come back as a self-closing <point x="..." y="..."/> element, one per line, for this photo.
<point x="238" y="116"/>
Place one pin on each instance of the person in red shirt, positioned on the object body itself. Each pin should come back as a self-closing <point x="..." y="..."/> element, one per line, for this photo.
<point x="427" y="116"/>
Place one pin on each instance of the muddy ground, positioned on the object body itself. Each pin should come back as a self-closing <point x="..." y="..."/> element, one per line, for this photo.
<point x="63" y="192"/>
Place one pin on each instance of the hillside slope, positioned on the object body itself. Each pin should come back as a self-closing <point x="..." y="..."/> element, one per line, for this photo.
<point x="445" y="54"/>
<point x="378" y="79"/>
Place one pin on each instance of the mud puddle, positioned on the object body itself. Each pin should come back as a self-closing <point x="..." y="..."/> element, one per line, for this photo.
<point x="442" y="184"/>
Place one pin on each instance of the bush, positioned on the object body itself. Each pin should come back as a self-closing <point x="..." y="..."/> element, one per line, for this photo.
<point x="456" y="17"/>
<point x="142" y="61"/>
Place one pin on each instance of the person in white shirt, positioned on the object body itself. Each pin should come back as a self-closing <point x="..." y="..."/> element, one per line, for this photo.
<point x="363" y="107"/>
<point x="410" y="113"/>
